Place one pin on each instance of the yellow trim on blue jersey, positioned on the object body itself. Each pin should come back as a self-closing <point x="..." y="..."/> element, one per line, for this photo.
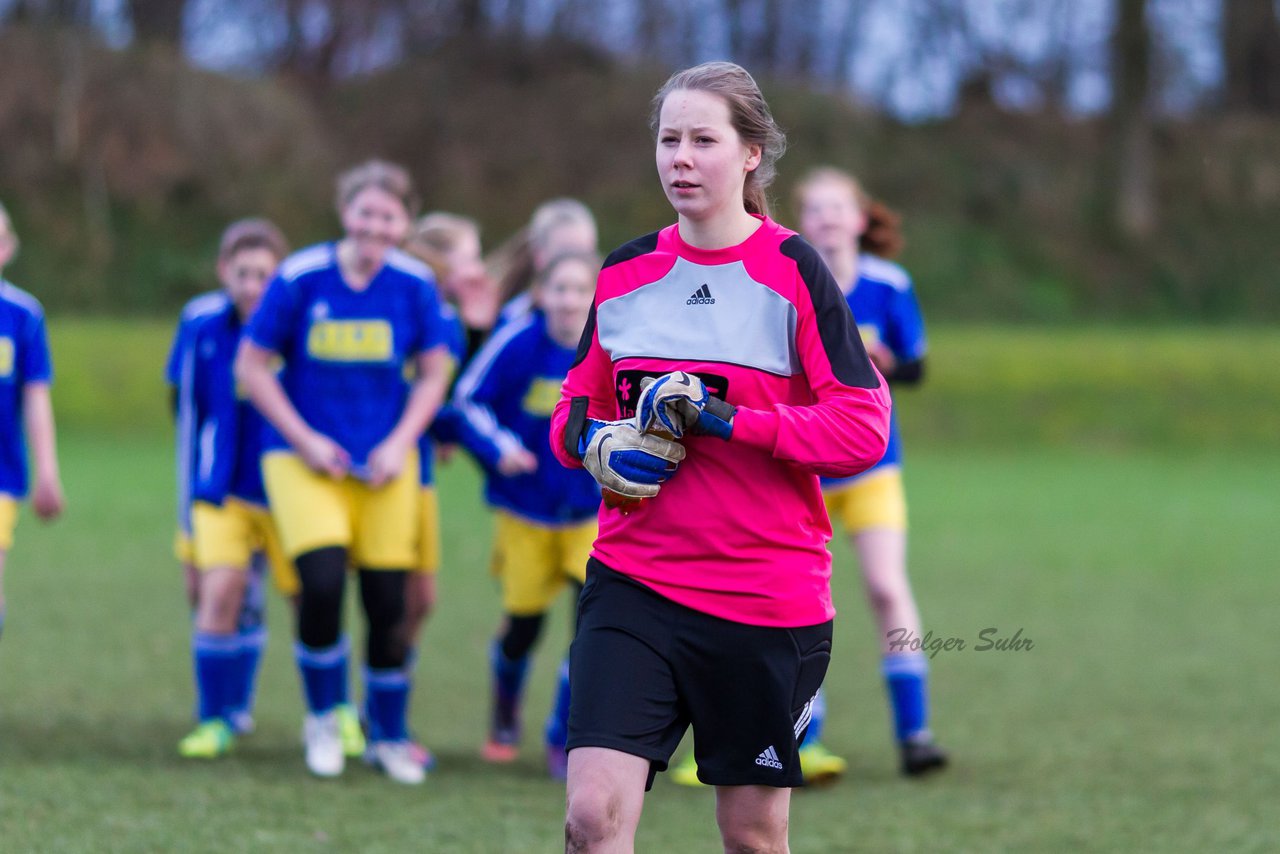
<point x="378" y="527"/>
<point x="533" y="562"/>
<point x="8" y="521"/>
<point x="875" y="500"/>
<point x="6" y="356"/>
<point x="228" y="536"/>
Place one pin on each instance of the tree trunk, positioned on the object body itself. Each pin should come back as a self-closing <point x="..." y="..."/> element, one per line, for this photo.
<point x="1128" y="147"/>
<point x="160" y="21"/>
<point x="1251" y="55"/>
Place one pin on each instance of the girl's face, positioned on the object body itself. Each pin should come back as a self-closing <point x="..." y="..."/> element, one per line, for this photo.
<point x="375" y="221"/>
<point x="830" y="217"/>
<point x="466" y="269"/>
<point x="565" y="297"/>
<point x="244" y="276"/>
<point x="702" y="161"/>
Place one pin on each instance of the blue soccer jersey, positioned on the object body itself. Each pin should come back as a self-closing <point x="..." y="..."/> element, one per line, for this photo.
<point x="346" y="351"/>
<point x="177" y="374"/>
<point x="196" y="308"/>
<point x="506" y="397"/>
<point x="24" y="359"/>
<point x="885" y="309"/>
<point x="229" y="430"/>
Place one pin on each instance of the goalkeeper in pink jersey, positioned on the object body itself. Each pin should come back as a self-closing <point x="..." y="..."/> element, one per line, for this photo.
<point x="708" y="604"/>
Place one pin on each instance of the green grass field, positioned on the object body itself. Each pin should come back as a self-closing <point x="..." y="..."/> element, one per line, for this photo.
<point x="1142" y="719"/>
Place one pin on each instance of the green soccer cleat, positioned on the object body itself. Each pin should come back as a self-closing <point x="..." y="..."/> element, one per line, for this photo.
<point x="819" y="765"/>
<point x="350" y="731"/>
<point x="208" y="741"/>
<point x="685" y="772"/>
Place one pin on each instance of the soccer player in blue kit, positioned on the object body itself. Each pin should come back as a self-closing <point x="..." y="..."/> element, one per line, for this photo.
<point x="856" y="236"/>
<point x="25" y="410"/>
<point x="230" y="523"/>
<point x="358" y="325"/>
<point x="546" y="514"/>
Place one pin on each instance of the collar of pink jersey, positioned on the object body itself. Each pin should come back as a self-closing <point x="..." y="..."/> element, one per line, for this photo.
<point x="724" y="255"/>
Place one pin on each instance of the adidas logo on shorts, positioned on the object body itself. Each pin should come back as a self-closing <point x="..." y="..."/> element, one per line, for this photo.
<point x="769" y="758"/>
<point x="702" y="296"/>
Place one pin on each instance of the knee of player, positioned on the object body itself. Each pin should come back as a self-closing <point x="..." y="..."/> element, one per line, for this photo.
<point x="761" y="836"/>
<point x="593" y="816"/>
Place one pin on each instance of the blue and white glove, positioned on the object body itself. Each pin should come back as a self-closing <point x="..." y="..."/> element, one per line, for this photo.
<point x="679" y="403"/>
<point x="626" y="461"/>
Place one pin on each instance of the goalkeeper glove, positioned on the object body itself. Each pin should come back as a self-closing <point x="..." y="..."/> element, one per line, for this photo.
<point x="678" y="403"/>
<point x="624" y="460"/>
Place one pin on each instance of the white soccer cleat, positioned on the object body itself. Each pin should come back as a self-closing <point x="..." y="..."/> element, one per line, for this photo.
<point x="398" y="761"/>
<point x="323" y="742"/>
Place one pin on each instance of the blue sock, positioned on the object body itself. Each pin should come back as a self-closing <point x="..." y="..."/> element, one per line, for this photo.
<point x="252" y="643"/>
<point x="906" y="678"/>
<point x="215" y="667"/>
<point x="324" y="674"/>
<point x="817" y="717"/>
<point x="508" y="675"/>
<point x="387" y="702"/>
<point x="558" y="723"/>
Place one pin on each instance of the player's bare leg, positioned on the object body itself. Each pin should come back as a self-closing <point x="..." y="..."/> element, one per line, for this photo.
<point x="882" y="553"/>
<point x="753" y="818"/>
<point x="218" y="603"/>
<point x="604" y="796"/>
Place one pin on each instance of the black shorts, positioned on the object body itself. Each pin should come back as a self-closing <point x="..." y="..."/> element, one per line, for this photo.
<point x="643" y="669"/>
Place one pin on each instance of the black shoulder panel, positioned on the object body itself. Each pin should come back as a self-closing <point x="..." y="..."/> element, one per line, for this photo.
<point x="634" y="249"/>
<point x="588" y="332"/>
<point x="836" y="325"/>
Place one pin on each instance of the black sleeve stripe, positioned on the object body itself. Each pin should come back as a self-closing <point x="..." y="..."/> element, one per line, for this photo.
<point x="588" y="332"/>
<point x="576" y="425"/>
<point x="634" y="249"/>
<point x="836" y="325"/>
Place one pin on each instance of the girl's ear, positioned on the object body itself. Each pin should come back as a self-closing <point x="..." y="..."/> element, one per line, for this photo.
<point x="753" y="158"/>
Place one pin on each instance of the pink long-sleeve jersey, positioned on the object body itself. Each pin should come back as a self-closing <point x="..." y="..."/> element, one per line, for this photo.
<point x="740" y="531"/>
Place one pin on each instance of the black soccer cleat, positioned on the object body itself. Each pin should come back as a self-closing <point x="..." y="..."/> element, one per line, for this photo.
<point x="921" y="756"/>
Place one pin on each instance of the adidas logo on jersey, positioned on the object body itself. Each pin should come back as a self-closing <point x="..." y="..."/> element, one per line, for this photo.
<point x="769" y="758"/>
<point x="702" y="296"/>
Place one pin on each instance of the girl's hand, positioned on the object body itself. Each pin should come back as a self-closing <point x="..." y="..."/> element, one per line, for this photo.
<point x="325" y="456"/>
<point x="386" y="461"/>
<point x="516" y="462"/>
<point x="47" y="499"/>
<point x="882" y="357"/>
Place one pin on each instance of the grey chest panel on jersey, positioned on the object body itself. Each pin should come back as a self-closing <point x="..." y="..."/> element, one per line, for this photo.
<point x="704" y="314"/>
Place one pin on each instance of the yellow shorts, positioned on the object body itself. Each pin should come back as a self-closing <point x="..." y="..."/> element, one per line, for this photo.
<point x="876" y="500"/>
<point x="183" y="549"/>
<point x="429" y="532"/>
<point x="228" y="536"/>
<point x="533" y="561"/>
<point x="8" y="521"/>
<point x="378" y="527"/>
